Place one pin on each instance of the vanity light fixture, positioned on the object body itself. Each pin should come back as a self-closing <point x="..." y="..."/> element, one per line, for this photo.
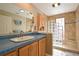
<point x="18" y="11"/>
<point x="21" y="10"/>
<point x="55" y="4"/>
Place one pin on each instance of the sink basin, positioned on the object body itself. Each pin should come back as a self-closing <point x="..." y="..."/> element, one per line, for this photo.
<point x="20" y="39"/>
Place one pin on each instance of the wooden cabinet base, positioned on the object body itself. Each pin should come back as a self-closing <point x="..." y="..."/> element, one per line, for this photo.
<point x="49" y="44"/>
<point x="30" y="50"/>
<point x="42" y="47"/>
<point x="24" y="51"/>
<point x="33" y="51"/>
<point x="13" y="53"/>
<point x="37" y="48"/>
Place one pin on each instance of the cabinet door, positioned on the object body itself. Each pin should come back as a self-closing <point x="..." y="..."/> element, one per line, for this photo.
<point x="24" y="51"/>
<point x="42" y="47"/>
<point x="13" y="53"/>
<point x="33" y="50"/>
<point x="49" y="44"/>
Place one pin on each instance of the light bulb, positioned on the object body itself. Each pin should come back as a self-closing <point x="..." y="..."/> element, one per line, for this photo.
<point x="55" y="4"/>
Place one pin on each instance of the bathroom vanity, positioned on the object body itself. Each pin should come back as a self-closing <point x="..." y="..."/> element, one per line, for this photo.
<point x="35" y="49"/>
<point x="37" y="46"/>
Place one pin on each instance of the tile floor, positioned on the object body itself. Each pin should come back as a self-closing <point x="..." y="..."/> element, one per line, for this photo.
<point x="57" y="52"/>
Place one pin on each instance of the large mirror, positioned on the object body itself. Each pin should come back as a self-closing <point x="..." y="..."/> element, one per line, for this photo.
<point x="15" y="20"/>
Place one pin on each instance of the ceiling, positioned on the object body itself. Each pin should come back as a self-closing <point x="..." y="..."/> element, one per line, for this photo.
<point x="47" y="8"/>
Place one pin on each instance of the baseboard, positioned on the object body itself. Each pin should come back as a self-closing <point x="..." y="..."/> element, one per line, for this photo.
<point x="48" y="54"/>
<point x="65" y="49"/>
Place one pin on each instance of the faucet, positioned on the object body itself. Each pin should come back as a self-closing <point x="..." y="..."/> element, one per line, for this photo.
<point x="20" y="34"/>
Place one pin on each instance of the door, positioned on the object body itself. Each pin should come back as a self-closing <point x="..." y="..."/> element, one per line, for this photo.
<point x="33" y="50"/>
<point x="24" y="51"/>
<point x="42" y="47"/>
<point x="49" y="44"/>
<point x="30" y="50"/>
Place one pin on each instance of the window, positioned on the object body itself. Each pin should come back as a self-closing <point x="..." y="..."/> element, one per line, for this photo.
<point x="57" y="28"/>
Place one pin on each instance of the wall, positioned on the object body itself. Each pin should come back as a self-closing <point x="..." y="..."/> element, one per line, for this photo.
<point x="69" y="41"/>
<point x="77" y="27"/>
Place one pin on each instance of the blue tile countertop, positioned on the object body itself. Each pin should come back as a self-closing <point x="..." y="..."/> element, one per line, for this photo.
<point x="6" y="45"/>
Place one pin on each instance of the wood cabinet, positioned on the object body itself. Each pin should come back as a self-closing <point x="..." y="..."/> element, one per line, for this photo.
<point x="30" y="50"/>
<point x="33" y="50"/>
<point x="42" y="47"/>
<point x="49" y="44"/>
<point x="24" y="51"/>
<point x="13" y="53"/>
<point x="37" y="48"/>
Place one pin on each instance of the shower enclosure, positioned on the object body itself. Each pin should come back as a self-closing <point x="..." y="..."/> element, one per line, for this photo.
<point x="57" y="29"/>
